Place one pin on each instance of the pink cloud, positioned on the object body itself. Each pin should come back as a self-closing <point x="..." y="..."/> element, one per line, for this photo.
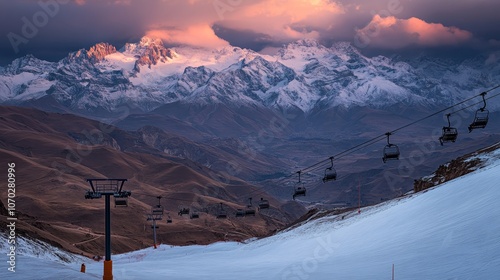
<point x="393" y="33"/>
<point x="284" y="19"/>
<point x="196" y="35"/>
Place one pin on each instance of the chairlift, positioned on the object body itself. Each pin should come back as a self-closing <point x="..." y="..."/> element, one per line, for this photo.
<point x="391" y="151"/>
<point x="299" y="189"/>
<point x="92" y="195"/>
<point x="121" y="199"/>
<point x="449" y="133"/>
<point x="250" y="210"/>
<point x="240" y="213"/>
<point x="222" y="213"/>
<point x="330" y="173"/>
<point x="157" y="210"/>
<point x="169" y="219"/>
<point x="194" y="215"/>
<point x="183" y="211"/>
<point x="263" y="204"/>
<point x="481" y="117"/>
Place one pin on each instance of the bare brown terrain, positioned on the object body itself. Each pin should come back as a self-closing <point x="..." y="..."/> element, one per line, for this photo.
<point x="54" y="154"/>
<point x="453" y="169"/>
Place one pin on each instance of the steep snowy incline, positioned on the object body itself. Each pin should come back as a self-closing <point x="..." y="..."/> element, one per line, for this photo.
<point x="448" y="232"/>
<point x="39" y="260"/>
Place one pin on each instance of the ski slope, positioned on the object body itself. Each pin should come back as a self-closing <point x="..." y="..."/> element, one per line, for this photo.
<point x="449" y="232"/>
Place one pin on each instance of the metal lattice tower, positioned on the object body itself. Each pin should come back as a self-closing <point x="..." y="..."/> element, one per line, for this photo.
<point x="155" y="215"/>
<point x="108" y="188"/>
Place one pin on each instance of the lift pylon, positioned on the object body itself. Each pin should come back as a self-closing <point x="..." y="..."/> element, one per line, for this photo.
<point x="155" y="215"/>
<point x="107" y="188"/>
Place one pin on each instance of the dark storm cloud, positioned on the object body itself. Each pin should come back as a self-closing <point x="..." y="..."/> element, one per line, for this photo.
<point x="52" y="29"/>
<point x="246" y="38"/>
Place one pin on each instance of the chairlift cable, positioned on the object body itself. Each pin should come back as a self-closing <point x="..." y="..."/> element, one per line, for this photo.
<point x="364" y="144"/>
<point x="381" y="137"/>
<point x="474" y="104"/>
<point x="375" y="139"/>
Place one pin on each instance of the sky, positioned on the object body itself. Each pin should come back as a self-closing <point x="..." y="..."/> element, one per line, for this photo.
<point x="50" y="29"/>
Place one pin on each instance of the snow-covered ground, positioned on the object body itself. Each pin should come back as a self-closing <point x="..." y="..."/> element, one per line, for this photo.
<point x="449" y="232"/>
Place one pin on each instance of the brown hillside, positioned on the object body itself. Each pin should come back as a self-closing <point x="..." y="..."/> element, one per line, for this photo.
<point x="55" y="153"/>
<point x="453" y="169"/>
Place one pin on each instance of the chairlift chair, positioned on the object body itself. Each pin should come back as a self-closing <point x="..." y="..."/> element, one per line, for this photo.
<point x="183" y="211"/>
<point x="92" y="195"/>
<point x="391" y="151"/>
<point x="169" y="219"/>
<point x="157" y="210"/>
<point x="330" y="173"/>
<point x="121" y="199"/>
<point x="240" y="213"/>
<point x="194" y="215"/>
<point x="250" y="210"/>
<point x="450" y="134"/>
<point x="222" y="213"/>
<point x="263" y="203"/>
<point x="481" y="117"/>
<point x="299" y="189"/>
<point x="480" y="120"/>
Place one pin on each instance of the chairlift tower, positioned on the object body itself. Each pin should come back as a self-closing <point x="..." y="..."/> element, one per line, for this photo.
<point x="155" y="215"/>
<point x="108" y="188"/>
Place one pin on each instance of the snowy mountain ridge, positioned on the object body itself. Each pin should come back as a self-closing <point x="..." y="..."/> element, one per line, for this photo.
<point x="303" y="74"/>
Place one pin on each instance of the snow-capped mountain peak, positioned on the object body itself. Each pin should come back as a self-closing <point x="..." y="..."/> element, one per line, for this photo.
<point x="95" y="54"/>
<point x="140" y="47"/>
<point x="303" y="74"/>
<point x="28" y="64"/>
<point x="147" y="41"/>
<point x="148" y="52"/>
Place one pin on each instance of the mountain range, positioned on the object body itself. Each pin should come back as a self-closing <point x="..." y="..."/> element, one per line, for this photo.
<point x="303" y="75"/>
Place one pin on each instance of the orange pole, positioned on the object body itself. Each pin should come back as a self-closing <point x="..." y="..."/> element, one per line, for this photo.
<point x="108" y="270"/>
